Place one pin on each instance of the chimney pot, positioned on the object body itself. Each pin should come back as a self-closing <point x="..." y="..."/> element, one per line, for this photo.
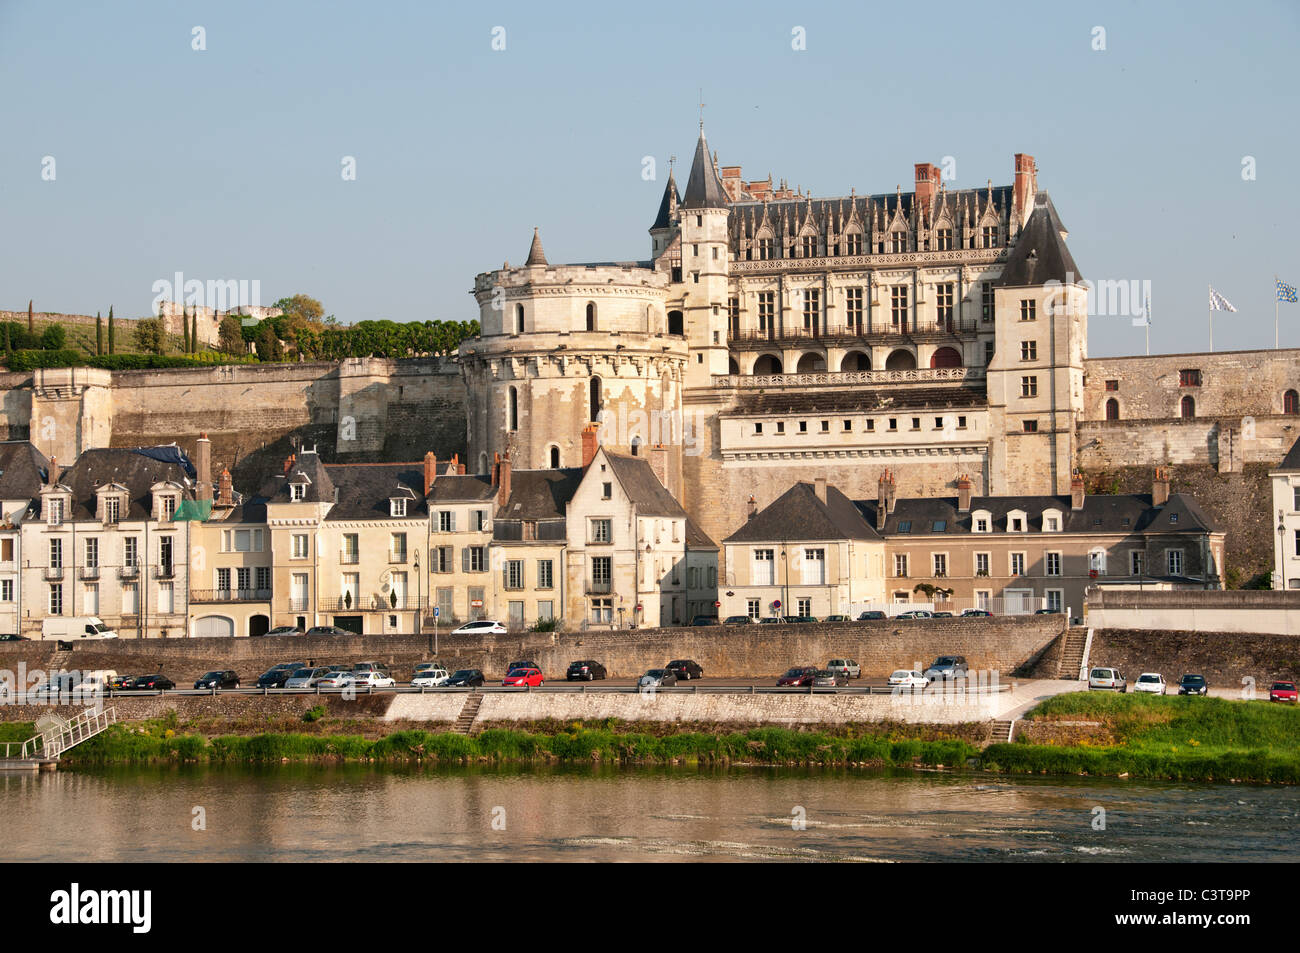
<point x="1076" y="491"/>
<point x="590" y="442"/>
<point x="1160" y="487"/>
<point x="751" y="508"/>
<point x="503" y="477"/>
<point x="964" y="488"/>
<point x="203" y="467"/>
<point x="430" y="471"/>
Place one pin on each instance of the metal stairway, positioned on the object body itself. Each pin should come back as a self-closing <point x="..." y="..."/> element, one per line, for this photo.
<point x="46" y="747"/>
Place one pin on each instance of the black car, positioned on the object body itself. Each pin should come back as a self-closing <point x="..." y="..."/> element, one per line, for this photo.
<point x="585" y="671"/>
<point x="1193" y="685"/>
<point x="1047" y="612"/>
<point x="276" y="676"/>
<point x="285" y="630"/>
<point x="705" y="620"/>
<point x="872" y="615"/>
<point x="466" y="678"/>
<point x="685" y="669"/>
<point x="14" y="638"/>
<point x="156" y="682"/>
<point x="327" y="630"/>
<point x="222" y="679"/>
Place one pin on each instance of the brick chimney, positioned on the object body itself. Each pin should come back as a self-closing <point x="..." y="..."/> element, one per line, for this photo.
<point x="884" y="498"/>
<point x="819" y="487"/>
<point x="964" y="488"/>
<point x="430" y="471"/>
<point x="1025" y="188"/>
<point x="590" y="441"/>
<point x="751" y="508"/>
<point x="891" y="490"/>
<point x="927" y="184"/>
<point x="288" y="463"/>
<point x="1076" y="491"/>
<point x="659" y="462"/>
<point x="203" y="467"/>
<point x="1160" y="487"/>
<point x="503" y="479"/>
<point x="225" y="489"/>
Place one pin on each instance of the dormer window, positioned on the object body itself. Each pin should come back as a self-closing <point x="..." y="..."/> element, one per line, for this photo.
<point x="297" y="492"/>
<point x="1017" y="521"/>
<point x="1052" y="521"/>
<point x="112" y="509"/>
<point x="54" y="511"/>
<point x="167" y="507"/>
<point x="981" y="521"/>
<point x="397" y="506"/>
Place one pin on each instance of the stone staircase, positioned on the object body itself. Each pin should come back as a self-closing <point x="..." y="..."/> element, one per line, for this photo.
<point x="59" y="661"/>
<point x="1001" y="733"/>
<point x="1076" y="640"/>
<point x="465" y="722"/>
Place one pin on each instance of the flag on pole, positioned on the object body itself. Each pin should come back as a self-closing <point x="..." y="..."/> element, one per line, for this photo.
<point x="1218" y="302"/>
<point x="1285" y="292"/>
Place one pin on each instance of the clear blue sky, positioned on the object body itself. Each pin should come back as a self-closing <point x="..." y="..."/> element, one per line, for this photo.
<point x="226" y="163"/>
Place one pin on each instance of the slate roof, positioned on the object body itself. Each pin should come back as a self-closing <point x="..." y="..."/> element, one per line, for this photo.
<point x="461" y="487"/>
<point x="638" y="480"/>
<point x="23" y="469"/>
<point x="1292" y="460"/>
<point x="540" y="494"/>
<point x="696" y="538"/>
<point x="704" y="188"/>
<point x="535" y="254"/>
<point x="1040" y="254"/>
<point x="842" y="207"/>
<point x="671" y="197"/>
<point x="365" y="489"/>
<point x="874" y="400"/>
<point x="797" y="515"/>
<point x="134" y="471"/>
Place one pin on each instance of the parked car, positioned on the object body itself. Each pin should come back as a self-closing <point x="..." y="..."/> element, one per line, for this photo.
<point x="518" y="677"/>
<point x="1107" y="680"/>
<point x="285" y="630"/>
<point x="118" y="682"/>
<point x="370" y="667"/>
<point x="836" y="618"/>
<point x="371" y="679"/>
<point x="976" y="614"/>
<point x="156" y="682"/>
<point x="1150" y="682"/>
<point x="872" y="615"/>
<point x="307" y="677"/>
<point x="908" y="678"/>
<point x="466" y="678"/>
<point x="217" y="679"/>
<point x="334" y="678"/>
<point x="941" y="615"/>
<point x="795" y="619"/>
<point x="705" y="620"/>
<point x="430" y="678"/>
<point x="1193" y="685"/>
<point x="524" y="663"/>
<point x="685" y="669"/>
<point x="915" y="614"/>
<point x="825" y="678"/>
<point x="585" y="671"/>
<point x="737" y="620"/>
<point x="800" y="677"/>
<point x="846" y="667"/>
<point x="657" y="678"/>
<point x="277" y="675"/>
<point x="328" y="631"/>
<point x="772" y="620"/>
<point x="1283" y="692"/>
<point x="425" y="666"/>
<point x="14" y="638"/>
<point x="481" y="627"/>
<point x="946" y="667"/>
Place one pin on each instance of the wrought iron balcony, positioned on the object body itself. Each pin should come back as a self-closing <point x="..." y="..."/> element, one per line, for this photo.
<point x="88" y="572"/>
<point x="230" y="595"/>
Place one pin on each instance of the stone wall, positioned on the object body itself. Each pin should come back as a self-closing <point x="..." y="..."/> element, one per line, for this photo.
<point x="989" y="644"/>
<point x="1239" y="611"/>
<point x="1224" y="658"/>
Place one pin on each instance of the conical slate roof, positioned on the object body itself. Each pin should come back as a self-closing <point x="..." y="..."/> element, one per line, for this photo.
<point x="668" y="206"/>
<point x="535" y="254"/>
<point x="1040" y="254"/>
<point x="704" y="188"/>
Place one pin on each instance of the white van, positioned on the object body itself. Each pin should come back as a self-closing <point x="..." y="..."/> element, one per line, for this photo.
<point x="74" y="627"/>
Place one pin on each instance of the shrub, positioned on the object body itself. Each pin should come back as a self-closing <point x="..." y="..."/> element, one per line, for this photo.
<point x="316" y="713"/>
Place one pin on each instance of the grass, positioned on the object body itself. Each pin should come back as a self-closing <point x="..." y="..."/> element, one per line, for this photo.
<point x="1176" y="737"/>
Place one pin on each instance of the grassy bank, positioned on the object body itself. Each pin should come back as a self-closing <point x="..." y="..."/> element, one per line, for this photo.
<point x="1148" y="736"/>
<point x="152" y="742"/>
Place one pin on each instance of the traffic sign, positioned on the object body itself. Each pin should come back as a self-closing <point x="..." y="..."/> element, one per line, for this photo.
<point x="435" y="612"/>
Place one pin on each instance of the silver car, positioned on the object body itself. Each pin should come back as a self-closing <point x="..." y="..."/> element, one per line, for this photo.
<point x="846" y="667"/>
<point x="1107" y="680"/>
<point x="947" y="667"/>
<point x="306" y="677"/>
<point x="825" y="678"/>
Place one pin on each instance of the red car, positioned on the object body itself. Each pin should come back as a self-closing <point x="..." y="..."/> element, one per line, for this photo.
<point x="797" y="677"/>
<point x="524" y="676"/>
<point x="1283" y="692"/>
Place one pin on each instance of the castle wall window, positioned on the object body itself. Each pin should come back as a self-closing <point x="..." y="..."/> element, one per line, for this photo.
<point x="812" y="306"/>
<point x="555" y="458"/>
<point x="989" y="236"/>
<point x="1029" y="350"/>
<point x="733" y="317"/>
<point x="764" y="249"/>
<point x="943" y="305"/>
<point x="1112" y="409"/>
<point x="676" y="324"/>
<point x="519" y="319"/>
<point x="1029" y="386"/>
<point x="1187" y="407"/>
<point x="593" y="394"/>
<point x="810" y="246"/>
<point x="767" y="312"/>
<point x="853" y="244"/>
<point x="853" y="307"/>
<point x="898" y="308"/>
<point x="1028" y="310"/>
<point x="987" y="300"/>
<point x="512" y="410"/>
<point x="1291" y="403"/>
<point x="1030" y="426"/>
<point x="1112" y="385"/>
<point x="943" y="239"/>
<point x="591" y="316"/>
<point x="1189" y="378"/>
<point x="898" y="242"/>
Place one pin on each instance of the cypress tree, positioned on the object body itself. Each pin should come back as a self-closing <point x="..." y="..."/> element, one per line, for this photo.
<point x="99" y="335"/>
<point x="31" y="324"/>
<point x="194" y="331"/>
<point x="9" y="348"/>
<point x="185" y="328"/>
<point x="110" y="329"/>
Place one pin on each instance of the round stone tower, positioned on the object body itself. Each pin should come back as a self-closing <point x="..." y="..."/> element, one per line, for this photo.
<point x="566" y="346"/>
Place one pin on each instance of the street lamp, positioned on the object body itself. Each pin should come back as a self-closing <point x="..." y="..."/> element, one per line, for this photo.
<point x="1280" y="582"/>
<point x="419" y="596"/>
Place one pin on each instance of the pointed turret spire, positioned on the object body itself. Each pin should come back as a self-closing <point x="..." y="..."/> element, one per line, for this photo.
<point x="667" y="216"/>
<point x="704" y="188"/>
<point x="535" y="254"/>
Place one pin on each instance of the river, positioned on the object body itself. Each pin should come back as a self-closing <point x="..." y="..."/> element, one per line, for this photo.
<point x="603" y="813"/>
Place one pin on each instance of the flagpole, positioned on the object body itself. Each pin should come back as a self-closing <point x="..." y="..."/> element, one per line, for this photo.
<point x="1148" y="325"/>
<point x="1276" y="298"/>
<point x="1210" y="298"/>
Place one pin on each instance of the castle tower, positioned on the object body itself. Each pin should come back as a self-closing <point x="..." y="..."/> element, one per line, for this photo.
<point x="704" y="249"/>
<point x="564" y="346"/>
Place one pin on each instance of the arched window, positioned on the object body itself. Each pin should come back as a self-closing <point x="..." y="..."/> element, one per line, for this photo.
<point x="856" y="361"/>
<point x="512" y="410"/>
<point x="591" y="315"/>
<point x="901" y="360"/>
<point x="1291" y="402"/>
<point x="675" y="323"/>
<point x="945" y="357"/>
<point x="767" y="364"/>
<point x="555" y="458"/>
<point x="1188" y="407"/>
<point x="636" y="446"/>
<point x="810" y="363"/>
<point x="732" y="366"/>
<point x="594" y="399"/>
<point x="519" y="319"/>
<point x="1112" y="409"/>
<point x="483" y="464"/>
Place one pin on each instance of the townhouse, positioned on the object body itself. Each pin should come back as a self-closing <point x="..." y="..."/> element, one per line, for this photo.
<point x="23" y="470"/>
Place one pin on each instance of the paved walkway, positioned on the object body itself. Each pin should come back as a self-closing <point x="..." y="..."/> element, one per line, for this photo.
<point x="1027" y="693"/>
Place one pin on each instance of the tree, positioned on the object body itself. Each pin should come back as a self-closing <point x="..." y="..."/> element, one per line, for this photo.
<point x="301" y="307"/>
<point x="54" y="337"/>
<point x="31" y="324"/>
<point x="150" y="335"/>
<point x="185" y="328"/>
<point x="99" y="335"/>
<point x="110" y="329"/>
<point x="9" y="348"/>
<point x="230" y="340"/>
<point x="267" y="344"/>
<point x="194" y="331"/>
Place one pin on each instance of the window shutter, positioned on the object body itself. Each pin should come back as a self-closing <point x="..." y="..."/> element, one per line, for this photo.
<point x="464" y="559"/>
<point x="453" y="520"/>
